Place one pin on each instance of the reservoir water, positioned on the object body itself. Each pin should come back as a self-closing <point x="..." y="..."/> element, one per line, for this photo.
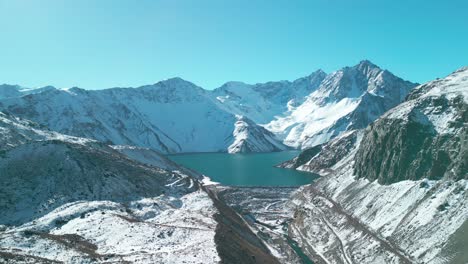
<point x="255" y="169"/>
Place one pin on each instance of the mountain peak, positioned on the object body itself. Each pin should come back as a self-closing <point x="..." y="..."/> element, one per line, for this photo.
<point x="172" y="86"/>
<point x="317" y="74"/>
<point x="175" y="79"/>
<point x="319" y="71"/>
<point x="366" y="64"/>
<point x="174" y="83"/>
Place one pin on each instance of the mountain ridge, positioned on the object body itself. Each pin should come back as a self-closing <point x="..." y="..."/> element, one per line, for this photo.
<point x="176" y="116"/>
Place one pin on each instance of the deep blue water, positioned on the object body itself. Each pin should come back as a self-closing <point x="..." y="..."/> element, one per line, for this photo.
<point x="246" y="169"/>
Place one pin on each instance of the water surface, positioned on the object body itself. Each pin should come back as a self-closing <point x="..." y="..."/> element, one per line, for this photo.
<point x="246" y="169"/>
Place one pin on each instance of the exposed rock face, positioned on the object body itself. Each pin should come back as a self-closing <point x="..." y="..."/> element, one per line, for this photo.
<point x="425" y="137"/>
<point x="250" y="137"/>
<point x="305" y="156"/>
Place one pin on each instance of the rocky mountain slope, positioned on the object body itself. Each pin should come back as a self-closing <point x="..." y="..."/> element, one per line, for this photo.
<point x="321" y="158"/>
<point x="428" y="135"/>
<point x="171" y="116"/>
<point x="398" y="188"/>
<point x="347" y="99"/>
<point x="73" y="200"/>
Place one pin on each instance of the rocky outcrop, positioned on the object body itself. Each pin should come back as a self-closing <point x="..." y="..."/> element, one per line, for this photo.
<point x="425" y="137"/>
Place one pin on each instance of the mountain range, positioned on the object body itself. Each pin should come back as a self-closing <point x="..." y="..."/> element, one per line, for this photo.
<point x="84" y="179"/>
<point x="176" y="116"/>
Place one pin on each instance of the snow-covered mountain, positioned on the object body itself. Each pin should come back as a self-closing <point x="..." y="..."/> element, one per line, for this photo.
<point x="398" y="187"/>
<point x="314" y="109"/>
<point x="171" y="116"/>
<point x="347" y="99"/>
<point x="176" y="116"/>
<point x="263" y="101"/>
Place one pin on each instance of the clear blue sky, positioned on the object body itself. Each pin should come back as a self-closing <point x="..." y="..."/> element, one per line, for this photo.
<point x="107" y="43"/>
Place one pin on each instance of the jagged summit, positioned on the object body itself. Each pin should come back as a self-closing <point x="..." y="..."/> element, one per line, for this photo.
<point x="349" y="98"/>
<point x="363" y="66"/>
<point x="366" y="64"/>
<point x="311" y="80"/>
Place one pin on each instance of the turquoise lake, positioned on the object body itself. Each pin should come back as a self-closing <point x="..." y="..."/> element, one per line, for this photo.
<point x="245" y="169"/>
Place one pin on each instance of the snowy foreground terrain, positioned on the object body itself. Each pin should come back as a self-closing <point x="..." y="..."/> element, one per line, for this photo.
<point x="83" y="180"/>
<point x="74" y="200"/>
